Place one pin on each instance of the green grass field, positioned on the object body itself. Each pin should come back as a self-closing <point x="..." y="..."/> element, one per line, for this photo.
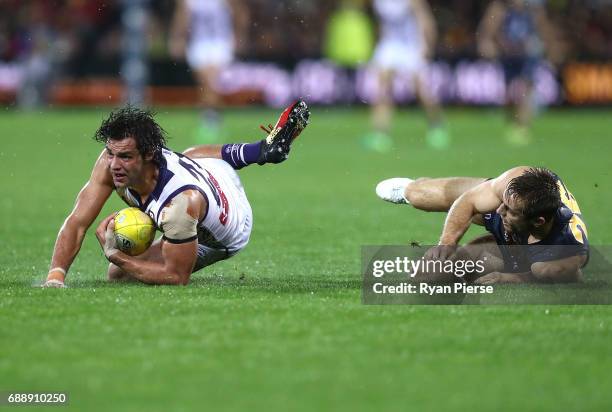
<point x="281" y="326"/>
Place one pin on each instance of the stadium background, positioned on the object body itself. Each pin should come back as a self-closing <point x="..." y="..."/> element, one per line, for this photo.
<point x="76" y="46"/>
<point x="281" y="325"/>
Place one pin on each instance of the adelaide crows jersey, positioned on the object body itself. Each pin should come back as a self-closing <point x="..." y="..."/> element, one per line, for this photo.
<point x="567" y="237"/>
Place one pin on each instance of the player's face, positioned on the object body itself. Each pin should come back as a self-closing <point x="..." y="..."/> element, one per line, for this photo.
<point x="512" y="216"/>
<point x="124" y="161"/>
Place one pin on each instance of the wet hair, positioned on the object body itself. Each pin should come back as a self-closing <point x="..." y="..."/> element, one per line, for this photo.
<point x="537" y="191"/>
<point x="130" y="121"/>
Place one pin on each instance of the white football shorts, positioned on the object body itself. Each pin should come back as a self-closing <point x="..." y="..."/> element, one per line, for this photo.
<point x="399" y="57"/>
<point x="201" y="54"/>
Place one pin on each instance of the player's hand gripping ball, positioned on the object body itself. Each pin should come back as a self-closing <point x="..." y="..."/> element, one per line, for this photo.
<point x="134" y="231"/>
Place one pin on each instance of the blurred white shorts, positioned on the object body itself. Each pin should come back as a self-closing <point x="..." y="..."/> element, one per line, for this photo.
<point x="201" y="54"/>
<point x="399" y="57"/>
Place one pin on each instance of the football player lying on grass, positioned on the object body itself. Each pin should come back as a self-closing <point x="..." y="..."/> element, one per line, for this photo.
<point x="530" y="214"/>
<point x="195" y="198"/>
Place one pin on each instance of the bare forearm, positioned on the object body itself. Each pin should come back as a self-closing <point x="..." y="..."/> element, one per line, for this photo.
<point x="522" y="277"/>
<point x="67" y="246"/>
<point x="457" y="223"/>
<point x="153" y="273"/>
<point x="559" y="271"/>
<point x="555" y="277"/>
<point x="528" y="277"/>
<point x="495" y="278"/>
<point x="558" y="277"/>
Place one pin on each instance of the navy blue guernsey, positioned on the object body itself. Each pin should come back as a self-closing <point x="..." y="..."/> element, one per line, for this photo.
<point x="567" y="237"/>
<point x="520" y="36"/>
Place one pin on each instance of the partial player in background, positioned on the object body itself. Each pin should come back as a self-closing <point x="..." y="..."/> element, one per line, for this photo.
<point x="349" y="41"/>
<point x="530" y="214"/>
<point x="407" y="39"/>
<point x="518" y="34"/>
<point x="206" y="33"/>
<point x="195" y="198"/>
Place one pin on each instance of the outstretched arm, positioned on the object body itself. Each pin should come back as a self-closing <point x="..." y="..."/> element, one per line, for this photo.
<point x="484" y="198"/>
<point x="480" y="199"/>
<point x="564" y="270"/>
<point x="560" y="270"/>
<point x="89" y="202"/>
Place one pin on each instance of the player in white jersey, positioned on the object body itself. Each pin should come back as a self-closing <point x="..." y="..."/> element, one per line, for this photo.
<point x="195" y="198"/>
<point x="227" y="224"/>
<point x="203" y="31"/>
<point x="406" y="41"/>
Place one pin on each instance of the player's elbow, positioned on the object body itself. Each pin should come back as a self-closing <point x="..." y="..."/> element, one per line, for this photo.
<point x="547" y="272"/>
<point x="543" y="272"/>
<point x="178" y="279"/>
<point x="182" y="280"/>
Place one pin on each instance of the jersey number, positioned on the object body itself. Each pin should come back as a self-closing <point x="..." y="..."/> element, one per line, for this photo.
<point x="196" y="171"/>
<point x="576" y="223"/>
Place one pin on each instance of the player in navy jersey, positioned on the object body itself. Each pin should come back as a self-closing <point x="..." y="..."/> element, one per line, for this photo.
<point x="519" y="35"/>
<point x="195" y="198"/>
<point x="407" y="38"/>
<point x="530" y="214"/>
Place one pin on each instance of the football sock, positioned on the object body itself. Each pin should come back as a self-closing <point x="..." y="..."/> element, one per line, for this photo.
<point x="239" y="155"/>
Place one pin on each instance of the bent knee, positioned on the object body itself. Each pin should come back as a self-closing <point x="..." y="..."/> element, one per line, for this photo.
<point x="189" y="151"/>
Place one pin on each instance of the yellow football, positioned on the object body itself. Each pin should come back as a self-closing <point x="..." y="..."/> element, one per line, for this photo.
<point x="134" y="231"/>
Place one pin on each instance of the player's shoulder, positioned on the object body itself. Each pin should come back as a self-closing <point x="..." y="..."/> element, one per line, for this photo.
<point x="500" y="182"/>
<point x="178" y="219"/>
<point x="514" y="172"/>
<point x="188" y="204"/>
<point x="101" y="173"/>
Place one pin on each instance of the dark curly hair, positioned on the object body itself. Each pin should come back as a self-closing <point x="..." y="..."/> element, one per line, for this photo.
<point x="130" y="121"/>
<point x="537" y="189"/>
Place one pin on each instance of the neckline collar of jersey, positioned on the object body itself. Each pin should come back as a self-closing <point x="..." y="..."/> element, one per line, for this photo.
<point x="163" y="176"/>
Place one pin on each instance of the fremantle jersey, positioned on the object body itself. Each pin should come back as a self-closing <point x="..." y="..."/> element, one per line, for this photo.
<point x="398" y="23"/>
<point x="567" y="237"/>
<point x="211" y="21"/>
<point x="226" y="224"/>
